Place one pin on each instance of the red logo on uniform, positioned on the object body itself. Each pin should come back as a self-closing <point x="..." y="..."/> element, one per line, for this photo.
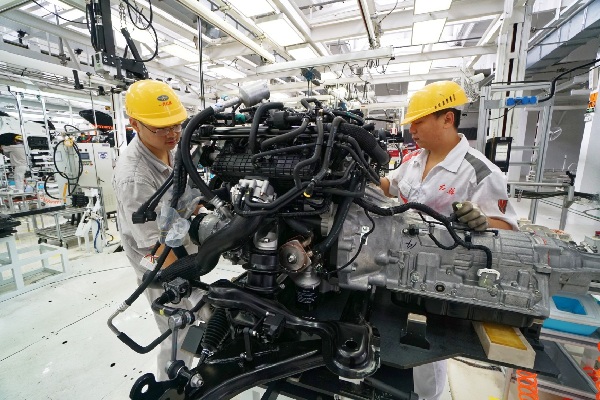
<point x="502" y="205"/>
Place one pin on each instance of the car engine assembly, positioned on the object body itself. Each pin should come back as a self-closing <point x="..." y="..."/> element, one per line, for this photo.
<point x="333" y="267"/>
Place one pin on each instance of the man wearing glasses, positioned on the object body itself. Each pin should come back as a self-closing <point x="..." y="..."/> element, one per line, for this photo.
<point x="155" y="113"/>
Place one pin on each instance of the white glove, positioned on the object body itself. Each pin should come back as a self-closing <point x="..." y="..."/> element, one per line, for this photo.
<point x="470" y="214"/>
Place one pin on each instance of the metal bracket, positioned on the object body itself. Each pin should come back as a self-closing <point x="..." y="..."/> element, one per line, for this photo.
<point x="416" y="331"/>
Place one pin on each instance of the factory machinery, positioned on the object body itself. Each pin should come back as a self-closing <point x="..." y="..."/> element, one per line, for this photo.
<point x="335" y="271"/>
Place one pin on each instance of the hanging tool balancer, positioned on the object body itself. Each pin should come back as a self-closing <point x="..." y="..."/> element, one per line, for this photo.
<point x="104" y="43"/>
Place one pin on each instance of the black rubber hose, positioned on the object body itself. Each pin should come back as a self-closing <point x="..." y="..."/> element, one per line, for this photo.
<point x="158" y="305"/>
<point x="315" y="157"/>
<point x="329" y="147"/>
<point x="46" y="188"/>
<point x="341" y="181"/>
<point x="269" y="208"/>
<point x="350" y="115"/>
<point x="286" y="136"/>
<point x="149" y="275"/>
<point x="389" y="211"/>
<point x="369" y="126"/>
<point x="179" y="179"/>
<point x="262" y="109"/>
<point x="306" y="103"/>
<point x="140" y="216"/>
<point x="186" y="157"/>
<point x="298" y="226"/>
<point x="367" y="142"/>
<point x="359" y="154"/>
<point x="139" y="349"/>
<point x="280" y="151"/>
<point x="277" y="203"/>
<point x="340" y="217"/>
<point x="64" y="175"/>
<point x="233" y="235"/>
<point x="152" y="206"/>
<point x="367" y="170"/>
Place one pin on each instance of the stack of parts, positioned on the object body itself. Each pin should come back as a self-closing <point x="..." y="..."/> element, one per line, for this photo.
<point x="7" y="225"/>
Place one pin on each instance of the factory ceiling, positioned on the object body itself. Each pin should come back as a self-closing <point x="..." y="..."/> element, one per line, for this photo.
<point x="371" y="51"/>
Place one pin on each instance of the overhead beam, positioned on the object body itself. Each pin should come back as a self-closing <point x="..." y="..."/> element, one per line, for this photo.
<point x="75" y="37"/>
<point x="384" y="52"/>
<point x="578" y="30"/>
<point x="213" y="19"/>
<point x="439" y="74"/>
<point x="397" y="21"/>
<point x="285" y="68"/>
<point x="365" y="12"/>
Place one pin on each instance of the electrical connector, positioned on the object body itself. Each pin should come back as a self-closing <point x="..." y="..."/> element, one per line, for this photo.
<point x="517" y="101"/>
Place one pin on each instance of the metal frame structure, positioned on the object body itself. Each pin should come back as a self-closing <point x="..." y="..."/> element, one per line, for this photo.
<point x="487" y="102"/>
<point x="11" y="260"/>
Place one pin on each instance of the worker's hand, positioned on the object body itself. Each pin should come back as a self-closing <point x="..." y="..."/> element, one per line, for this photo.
<point x="470" y="214"/>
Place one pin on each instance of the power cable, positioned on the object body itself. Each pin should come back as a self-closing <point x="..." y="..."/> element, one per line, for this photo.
<point x="139" y="12"/>
<point x="363" y="240"/>
<point x="553" y="86"/>
<point x="391" y="11"/>
<point x="149" y="25"/>
<point x="503" y="115"/>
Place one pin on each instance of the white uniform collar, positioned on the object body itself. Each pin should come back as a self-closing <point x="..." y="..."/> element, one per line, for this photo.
<point x="155" y="161"/>
<point x="456" y="156"/>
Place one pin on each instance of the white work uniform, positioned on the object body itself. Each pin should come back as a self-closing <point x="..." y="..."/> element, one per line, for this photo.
<point x="18" y="160"/>
<point x="137" y="176"/>
<point x="464" y="175"/>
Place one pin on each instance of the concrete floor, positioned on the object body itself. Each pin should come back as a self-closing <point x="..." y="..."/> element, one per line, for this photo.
<point x="56" y="345"/>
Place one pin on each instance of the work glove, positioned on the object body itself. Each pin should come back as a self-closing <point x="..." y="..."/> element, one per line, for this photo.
<point x="470" y="214"/>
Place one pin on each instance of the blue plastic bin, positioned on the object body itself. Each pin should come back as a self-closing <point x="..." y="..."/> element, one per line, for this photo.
<point x="574" y="313"/>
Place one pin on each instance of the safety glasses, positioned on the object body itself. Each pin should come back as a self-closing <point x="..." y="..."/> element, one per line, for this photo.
<point x="164" y="131"/>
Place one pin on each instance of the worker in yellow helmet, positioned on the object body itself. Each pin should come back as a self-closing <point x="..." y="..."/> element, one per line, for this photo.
<point x="12" y="146"/>
<point x="155" y="113"/>
<point x="448" y="175"/>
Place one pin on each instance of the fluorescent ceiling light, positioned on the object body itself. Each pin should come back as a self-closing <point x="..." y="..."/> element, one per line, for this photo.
<point x="426" y="6"/>
<point x="416" y="85"/>
<point x="226" y="71"/>
<point x="181" y="52"/>
<point x="425" y="32"/>
<point x="419" y="67"/>
<point x="302" y="52"/>
<point x="279" y="28"/>
<point x="254" y="7"/>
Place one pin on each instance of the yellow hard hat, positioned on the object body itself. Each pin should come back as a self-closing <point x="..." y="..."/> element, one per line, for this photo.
<point x="434" y="97"/>
<point x="154" y="103"/>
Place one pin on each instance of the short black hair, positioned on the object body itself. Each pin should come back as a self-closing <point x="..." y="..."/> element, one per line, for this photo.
<point x="456" y="113"/>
